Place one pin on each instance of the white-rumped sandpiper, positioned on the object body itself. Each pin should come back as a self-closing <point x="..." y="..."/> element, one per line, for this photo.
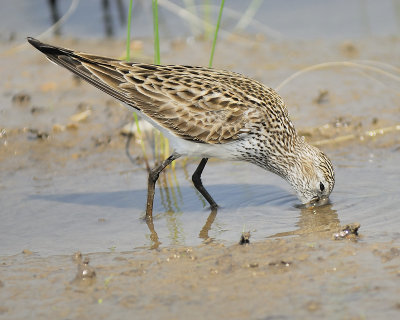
<point x="207" y="113"/>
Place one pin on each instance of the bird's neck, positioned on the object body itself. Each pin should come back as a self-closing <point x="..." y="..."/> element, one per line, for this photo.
<point x="280" y="157"/>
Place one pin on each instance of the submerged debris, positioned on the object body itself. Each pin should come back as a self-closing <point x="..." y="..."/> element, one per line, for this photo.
<point x="323" y="97"/>
<point x="281" y="263"/>
<point x="349" y="231"/>
<point x="245" y="238"/>
<point x="37" y="134"/>
<point x="27" y="252"/>
<point x="101" y="141"/>
<point x="36" y="110"/>
<point x="21" y="99"/>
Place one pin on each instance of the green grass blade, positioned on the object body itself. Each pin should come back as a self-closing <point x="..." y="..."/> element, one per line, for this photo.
<point x="162" y="147"/>
<point x="157" y="59"/>
<point x="216" y="33"/>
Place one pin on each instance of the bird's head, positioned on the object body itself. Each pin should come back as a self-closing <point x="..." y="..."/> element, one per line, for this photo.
<point x="311" y="174"/>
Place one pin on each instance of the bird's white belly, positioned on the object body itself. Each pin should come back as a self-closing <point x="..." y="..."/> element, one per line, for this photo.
<point x="225" y="151"/>
<point x="204" y="150"/>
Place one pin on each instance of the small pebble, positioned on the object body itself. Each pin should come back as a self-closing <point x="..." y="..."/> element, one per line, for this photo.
<point x="58" y="128"/>
<point x="71" y="126"/>
<point x="253" y="265"/>
<point x="81" y="116"/>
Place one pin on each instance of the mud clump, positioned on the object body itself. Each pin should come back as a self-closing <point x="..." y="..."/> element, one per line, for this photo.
<point x="349" y="231"/>
<point x="85" y="273"/>
<point x="245" y="238"/>
<point x="35" y="134"/>
<point x="27" y="252"/>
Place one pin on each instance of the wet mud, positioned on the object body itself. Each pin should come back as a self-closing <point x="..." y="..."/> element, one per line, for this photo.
<point x="308" y="277"/>
<point x="73" y="177"/>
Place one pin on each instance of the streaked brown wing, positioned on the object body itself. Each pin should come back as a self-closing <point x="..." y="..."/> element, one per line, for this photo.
<point x="195" y="103"/>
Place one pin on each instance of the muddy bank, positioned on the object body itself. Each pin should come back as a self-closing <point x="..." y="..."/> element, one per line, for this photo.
<point x="307" y="277"/>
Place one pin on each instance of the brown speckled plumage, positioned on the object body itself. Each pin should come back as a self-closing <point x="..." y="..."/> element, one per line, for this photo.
<point x="209" y="113"/>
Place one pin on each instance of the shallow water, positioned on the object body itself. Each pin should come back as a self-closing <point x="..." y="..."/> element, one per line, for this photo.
<point x="96" y="210"/>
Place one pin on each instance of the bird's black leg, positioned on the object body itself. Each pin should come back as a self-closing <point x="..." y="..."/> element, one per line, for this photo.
<point x="196" y="178"/>
<point x="153" y="176"/>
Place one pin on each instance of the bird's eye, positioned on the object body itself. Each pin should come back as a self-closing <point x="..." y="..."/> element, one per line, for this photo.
<point x="321" y="186"/>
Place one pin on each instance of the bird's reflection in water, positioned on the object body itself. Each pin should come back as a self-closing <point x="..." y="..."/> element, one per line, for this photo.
<point x="203" y="234"/>
<point x="314" y="220"/>
<point x="171" y="199"/>
<point x="155" y="242"/>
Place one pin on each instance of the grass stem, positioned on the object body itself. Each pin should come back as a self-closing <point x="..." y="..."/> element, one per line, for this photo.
<point x="157" y="59"/>
<point x="216" y="33"/>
